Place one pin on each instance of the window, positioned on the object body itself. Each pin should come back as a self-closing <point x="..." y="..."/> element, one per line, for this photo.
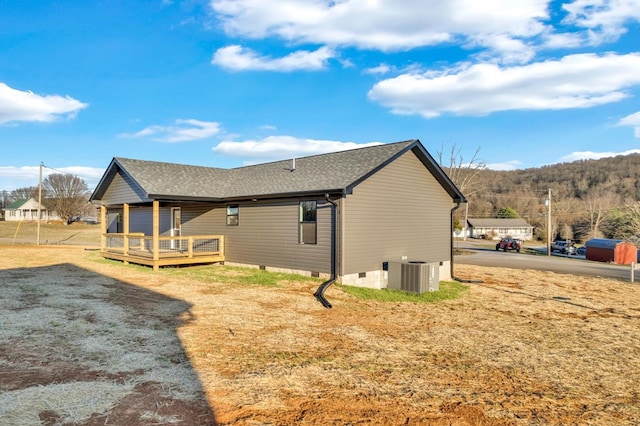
<point x="232" y="215"/>
<point x="308" y="222"/>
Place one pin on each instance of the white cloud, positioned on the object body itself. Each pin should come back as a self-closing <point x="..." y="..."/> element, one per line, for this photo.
<point x="17" y="105"/>
<point x="590" y="155"/>
<point x="25" y="172"/>
<point x="282" y="147"/>
<point x="183" y="131"/>
<point x="20" y="177"/>
<point x="510" y="50"/>
<point x="507" y="165"/>
<point x="380" y="69"/>
<point x="604" y="19"/>
<point x="238" y="58"/>
<point x="506" y="31"/>
<point x="382" y="24"/>
<point x="83" y="172"/>
<point x="563" y="40"/>
<point x="575" y="81"/>
<point x="632" y="120"/>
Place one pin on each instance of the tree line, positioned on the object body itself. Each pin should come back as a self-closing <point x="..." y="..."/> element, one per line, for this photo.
<point x="589" y="198"/>
<point x="65" y="194"/>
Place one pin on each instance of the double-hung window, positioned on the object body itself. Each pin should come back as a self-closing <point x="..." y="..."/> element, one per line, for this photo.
<point x="232" y="215"/>
<point x="308" y="222"/>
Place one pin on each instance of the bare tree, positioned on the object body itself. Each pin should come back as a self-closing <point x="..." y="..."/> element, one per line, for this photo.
<point x="66" y="194"/>
<point x="624" y="223"/>
<point x="464" y="174"/>
<point x="564" y="210"/>
<point x="24" y="193"/>
<point x="599" y="203"/>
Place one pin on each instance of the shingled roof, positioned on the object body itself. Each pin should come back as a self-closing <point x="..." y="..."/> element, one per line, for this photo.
<point x="325" y="173"/>
<point x="499" y="223"/>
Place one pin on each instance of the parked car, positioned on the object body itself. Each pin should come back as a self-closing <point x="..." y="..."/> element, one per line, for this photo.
<point x="581" y="251"/>
<point x="509" y="244"/>
<point x="563" y="247"/>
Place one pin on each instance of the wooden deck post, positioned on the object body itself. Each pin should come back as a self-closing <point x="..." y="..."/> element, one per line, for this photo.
<point x="125" y="229"/>
<point x="103" y="228"/>
<point x="190" y="247"/>
<point x="156" y="234"/>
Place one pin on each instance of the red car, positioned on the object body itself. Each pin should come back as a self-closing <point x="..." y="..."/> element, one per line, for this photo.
<point x="509" y="244"/>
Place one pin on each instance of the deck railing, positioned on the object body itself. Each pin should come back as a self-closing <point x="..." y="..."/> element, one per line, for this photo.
<point x="140" y="245"/>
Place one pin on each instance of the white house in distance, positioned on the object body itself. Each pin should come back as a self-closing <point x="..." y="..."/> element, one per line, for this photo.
<point x="27" y="210"/>
<point x="499" y="228"/>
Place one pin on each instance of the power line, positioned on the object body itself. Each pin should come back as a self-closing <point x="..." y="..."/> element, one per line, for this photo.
<point x="69" y="173"/>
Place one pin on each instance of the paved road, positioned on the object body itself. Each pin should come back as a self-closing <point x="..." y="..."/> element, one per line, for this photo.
<point x="565" y="265"/>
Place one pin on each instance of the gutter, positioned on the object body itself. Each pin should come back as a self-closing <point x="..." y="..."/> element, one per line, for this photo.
<point x="453" y="210"/>
<point x="319" y="294"/>
<point x="460" y="280"/>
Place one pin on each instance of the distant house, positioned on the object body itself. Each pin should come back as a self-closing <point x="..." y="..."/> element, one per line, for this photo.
<point x="28" y="210"/>
<point x="343" y="214"/>
<point x="500" y="228"/>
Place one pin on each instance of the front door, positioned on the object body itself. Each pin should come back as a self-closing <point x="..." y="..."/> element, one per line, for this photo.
<point x="176" y="221"/>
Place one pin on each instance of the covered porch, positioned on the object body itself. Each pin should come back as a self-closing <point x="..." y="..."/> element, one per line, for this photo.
<point x="157" y="250"/>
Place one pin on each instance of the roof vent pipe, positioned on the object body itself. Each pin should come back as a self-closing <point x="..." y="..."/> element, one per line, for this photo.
<point x="293" y="164"/>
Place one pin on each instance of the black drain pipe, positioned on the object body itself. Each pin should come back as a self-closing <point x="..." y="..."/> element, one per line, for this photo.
<point x="451" y="262"/>
<point x="453" y="210"/>
<point x="319" y="294"/>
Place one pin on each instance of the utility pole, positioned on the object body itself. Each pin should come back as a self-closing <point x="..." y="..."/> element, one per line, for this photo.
<point x="549" y="223"/>
<point x="39" y="203"/>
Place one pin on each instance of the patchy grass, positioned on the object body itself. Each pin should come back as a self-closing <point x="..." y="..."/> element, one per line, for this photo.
<point x="217" y="274"/>
<point x="522" y="348"/>
<point x="238" y="275"/>
<point x="50" y="233"/>
<point x="448" y="290"/>
<point x="89" y="339"/>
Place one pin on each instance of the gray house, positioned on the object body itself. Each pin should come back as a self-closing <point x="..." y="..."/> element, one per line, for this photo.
<point x="342" y="215"/>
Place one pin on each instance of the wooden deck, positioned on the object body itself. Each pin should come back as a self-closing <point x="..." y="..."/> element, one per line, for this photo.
<point x="163" y="251"/>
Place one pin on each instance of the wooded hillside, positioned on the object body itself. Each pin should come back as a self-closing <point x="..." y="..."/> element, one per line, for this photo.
<point x="589" y="198"/>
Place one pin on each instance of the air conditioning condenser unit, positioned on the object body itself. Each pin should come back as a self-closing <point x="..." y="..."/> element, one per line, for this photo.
<point x="414" y="276"/>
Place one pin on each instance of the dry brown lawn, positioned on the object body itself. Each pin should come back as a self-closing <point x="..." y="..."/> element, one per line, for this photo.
<point x="92" y="342"/>
<point x="54" y="233"/>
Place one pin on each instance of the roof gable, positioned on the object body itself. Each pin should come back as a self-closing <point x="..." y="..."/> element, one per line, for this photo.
<point x="333" y="172"/>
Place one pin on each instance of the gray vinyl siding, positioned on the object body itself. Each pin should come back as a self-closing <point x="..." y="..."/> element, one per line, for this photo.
<point x="400" y="211"/>
<point x="140" y="220"/>
<point x="122" y="190"/>
<point x="203" y="219"/>
<point x="267" y="234"/>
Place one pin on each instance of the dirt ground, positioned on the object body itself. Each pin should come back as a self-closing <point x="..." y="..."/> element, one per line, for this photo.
<point x="90" y="342"/>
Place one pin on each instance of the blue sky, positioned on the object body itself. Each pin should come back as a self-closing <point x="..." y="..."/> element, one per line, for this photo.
<point x="225" y="83"/>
